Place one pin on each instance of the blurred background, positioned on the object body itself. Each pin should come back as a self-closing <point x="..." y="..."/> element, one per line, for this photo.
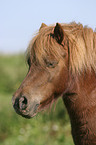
<point x="19" y="22"/>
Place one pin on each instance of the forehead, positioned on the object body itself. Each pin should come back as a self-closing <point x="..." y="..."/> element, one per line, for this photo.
<point x="43" y="45"/>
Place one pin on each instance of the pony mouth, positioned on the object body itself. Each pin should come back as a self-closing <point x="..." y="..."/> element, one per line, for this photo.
<point x="30" y="111"/>
<point x="28" y="116"/>
<point x="34" y="108"/>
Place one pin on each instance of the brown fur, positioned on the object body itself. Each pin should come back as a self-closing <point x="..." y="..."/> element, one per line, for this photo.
<point x="62" y="62"/>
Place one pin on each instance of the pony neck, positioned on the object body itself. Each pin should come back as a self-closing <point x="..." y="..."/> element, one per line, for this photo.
<point x="80" y="102"/>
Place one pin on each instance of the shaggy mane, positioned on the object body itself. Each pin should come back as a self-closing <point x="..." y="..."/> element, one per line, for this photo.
<point x="82" y="47"/>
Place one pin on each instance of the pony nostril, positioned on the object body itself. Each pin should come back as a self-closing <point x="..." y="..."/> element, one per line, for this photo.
<point x="23" y="103"/>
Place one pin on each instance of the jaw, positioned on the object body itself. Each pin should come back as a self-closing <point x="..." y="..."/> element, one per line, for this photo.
<point x="47" y="103"/>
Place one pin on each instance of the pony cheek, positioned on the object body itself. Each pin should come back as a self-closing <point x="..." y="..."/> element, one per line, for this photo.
<point x="61" y="87"/>
<point x="61" y="84"/>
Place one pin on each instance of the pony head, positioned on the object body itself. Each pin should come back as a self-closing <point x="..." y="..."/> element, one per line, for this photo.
<point x="47" y="76"/>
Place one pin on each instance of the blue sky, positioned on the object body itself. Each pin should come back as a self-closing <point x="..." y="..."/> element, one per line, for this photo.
<point x="20" y="19"/>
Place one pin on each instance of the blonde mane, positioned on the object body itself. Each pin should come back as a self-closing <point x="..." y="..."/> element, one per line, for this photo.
<point x="82" y="46"/>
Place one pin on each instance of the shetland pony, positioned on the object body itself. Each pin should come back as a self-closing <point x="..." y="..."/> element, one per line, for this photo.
<point x="62" y="62"/>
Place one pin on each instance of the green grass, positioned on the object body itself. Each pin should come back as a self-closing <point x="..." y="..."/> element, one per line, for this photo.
<point x="47" y="128"/>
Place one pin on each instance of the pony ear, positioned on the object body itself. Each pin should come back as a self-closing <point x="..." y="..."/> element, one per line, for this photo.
<point x="58" y="33"/>
<point x="42" y="26"/>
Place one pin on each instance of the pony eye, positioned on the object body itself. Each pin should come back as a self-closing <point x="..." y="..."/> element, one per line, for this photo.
<point x="51" y="64"/>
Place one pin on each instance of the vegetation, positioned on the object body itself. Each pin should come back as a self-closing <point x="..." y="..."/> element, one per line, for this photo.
<point x="47" y="128"/>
